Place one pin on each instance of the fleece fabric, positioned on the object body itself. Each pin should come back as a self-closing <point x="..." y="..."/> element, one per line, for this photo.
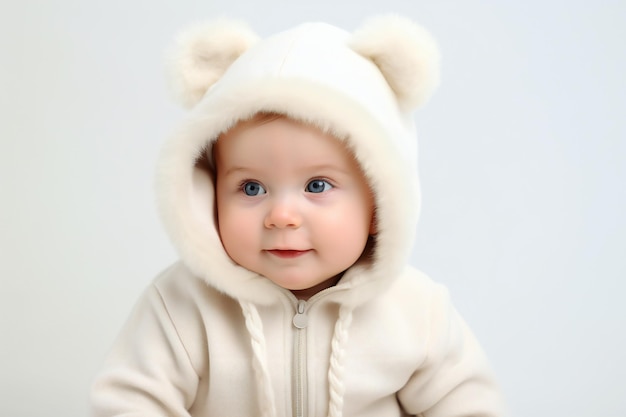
<point x="210" y="338"/>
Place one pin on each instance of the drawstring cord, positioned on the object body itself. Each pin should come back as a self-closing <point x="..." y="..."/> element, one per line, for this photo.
<point x="336" y="386"/>
<point x="259" y="361"/>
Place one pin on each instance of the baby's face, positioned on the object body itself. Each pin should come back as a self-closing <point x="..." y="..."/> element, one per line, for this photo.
<point x="292" y="203"/>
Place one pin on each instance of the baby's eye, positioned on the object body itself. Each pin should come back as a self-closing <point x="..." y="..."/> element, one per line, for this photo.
<point x="253" y="188"/>
<point x="318" y="186"/>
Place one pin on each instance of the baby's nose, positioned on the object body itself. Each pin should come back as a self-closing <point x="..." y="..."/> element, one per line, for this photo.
<point x="284" y="213"/>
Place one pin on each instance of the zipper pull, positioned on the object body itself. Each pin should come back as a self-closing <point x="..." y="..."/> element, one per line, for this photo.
<point x="300" y="320"/>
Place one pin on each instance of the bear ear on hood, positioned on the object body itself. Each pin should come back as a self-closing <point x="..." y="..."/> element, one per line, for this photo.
<point x="405" y="53"/>
<point x="202" y="54"/>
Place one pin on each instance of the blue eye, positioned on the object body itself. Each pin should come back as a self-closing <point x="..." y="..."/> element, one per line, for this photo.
<point x="252" y="188"/>
<point x="318" y="186"/>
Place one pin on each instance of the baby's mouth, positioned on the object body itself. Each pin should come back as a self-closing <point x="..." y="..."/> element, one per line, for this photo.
<point x="288" y="253"/>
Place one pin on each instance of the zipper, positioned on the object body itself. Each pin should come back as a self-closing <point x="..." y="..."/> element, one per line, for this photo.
<point x="300" y="322"/>
<point x="299" y="371"/>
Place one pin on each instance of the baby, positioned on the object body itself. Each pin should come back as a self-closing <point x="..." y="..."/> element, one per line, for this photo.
<point x="291" y="195"/>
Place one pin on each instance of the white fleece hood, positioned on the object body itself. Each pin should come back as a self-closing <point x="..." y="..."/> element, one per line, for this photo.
<point x="386" y="340"/>
<point x="362" y="87"/>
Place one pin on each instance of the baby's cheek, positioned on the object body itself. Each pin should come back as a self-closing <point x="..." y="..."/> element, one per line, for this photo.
<point x="230" y="228"/>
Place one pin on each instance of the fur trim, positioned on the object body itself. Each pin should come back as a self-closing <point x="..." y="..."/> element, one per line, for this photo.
<point x="358" y="88"/>
<point x="405" y="53"/>
<point x="202" y="55"/>
<point x="308" y="73"/>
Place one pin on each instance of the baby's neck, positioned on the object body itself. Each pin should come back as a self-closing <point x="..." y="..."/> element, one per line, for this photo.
<point x="307" y="293"/>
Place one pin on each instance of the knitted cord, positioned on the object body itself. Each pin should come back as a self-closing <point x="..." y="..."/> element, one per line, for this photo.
<point x="259" y="362"/>
<point x="335" y="371"/>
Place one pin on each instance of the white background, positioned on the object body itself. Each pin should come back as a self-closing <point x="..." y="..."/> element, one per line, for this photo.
<point x="522" y="166"/>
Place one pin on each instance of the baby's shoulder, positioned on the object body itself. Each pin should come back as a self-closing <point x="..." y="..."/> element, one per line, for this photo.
<point x="178" y="281"/>
<point x="412" y="279"/>
<point x="415" y="288"/>
<point x="186" y="294"/>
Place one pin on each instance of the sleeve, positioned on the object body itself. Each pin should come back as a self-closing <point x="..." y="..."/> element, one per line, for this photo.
<point x="455" y="379"/>
<point x="148" y="371"/>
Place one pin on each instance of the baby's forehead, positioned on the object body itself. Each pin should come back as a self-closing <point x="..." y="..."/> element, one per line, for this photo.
<point x="259" y="120"/>
<point x="266" y="138"/>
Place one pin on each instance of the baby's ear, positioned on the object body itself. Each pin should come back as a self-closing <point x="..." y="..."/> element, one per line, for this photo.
<point x="406" y="55"/>
<point x="202" y="54"/>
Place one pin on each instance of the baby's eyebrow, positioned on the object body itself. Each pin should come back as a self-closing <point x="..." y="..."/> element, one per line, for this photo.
<point x="237" y="169"/>
<point x="307" y="168"/>
<point x="327" y="167"/>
